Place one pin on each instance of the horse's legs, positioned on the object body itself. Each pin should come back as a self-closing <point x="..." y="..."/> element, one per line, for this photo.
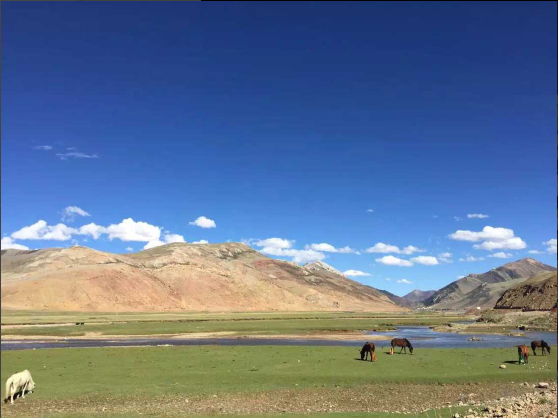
<point x="23" y="390"/>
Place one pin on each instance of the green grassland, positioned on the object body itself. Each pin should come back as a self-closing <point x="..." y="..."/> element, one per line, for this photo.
<point x="245" y="323"/>
<point x="91" y="378"/>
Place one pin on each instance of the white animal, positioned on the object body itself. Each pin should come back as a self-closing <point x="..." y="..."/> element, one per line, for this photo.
<point x="19" y="382"/>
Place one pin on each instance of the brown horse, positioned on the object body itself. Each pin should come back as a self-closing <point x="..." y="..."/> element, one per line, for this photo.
<point x="542" y="344"/>
<point x="403" y="343"/>
<point x="523" y="352"/>
<point x="368" y="348"/>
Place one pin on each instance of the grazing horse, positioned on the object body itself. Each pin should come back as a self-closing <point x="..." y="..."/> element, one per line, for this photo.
<point x="542" y="344"/>
<point x="368" y="348"/>
<point x="403" y="343"/>
<point x="523" y="352"/>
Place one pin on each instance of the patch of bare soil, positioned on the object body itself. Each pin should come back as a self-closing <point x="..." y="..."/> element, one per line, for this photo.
<point x="403" y="398"/>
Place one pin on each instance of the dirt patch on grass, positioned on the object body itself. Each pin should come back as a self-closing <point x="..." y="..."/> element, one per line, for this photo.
<point x="374" y="398"/>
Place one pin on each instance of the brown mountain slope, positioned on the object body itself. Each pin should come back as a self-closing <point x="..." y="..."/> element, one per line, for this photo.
<point x="398" y="300"/>
<point x="189" y="277"/>
<point x="484" y="289"/>
<point x="417" y="296"/>
<point x="536" y="294"/>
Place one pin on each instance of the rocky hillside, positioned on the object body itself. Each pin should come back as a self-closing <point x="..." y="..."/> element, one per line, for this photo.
<point x="536" y="294"/>
<point x="485" y="289"/>
<point x="417" y="296"/>
<point x="410" y="300"/>
<point x="398" y="300"/>
<point x="187" y="277"/>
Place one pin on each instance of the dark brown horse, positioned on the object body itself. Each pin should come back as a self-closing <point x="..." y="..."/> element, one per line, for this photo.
<point x="403" y="343"/>
<point x="523" y="352"/>
<point x="542" y="344"/>
<point x="368" y="348"/>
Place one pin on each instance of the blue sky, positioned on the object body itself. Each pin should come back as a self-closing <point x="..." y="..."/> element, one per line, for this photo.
<point x="288" y="121"/>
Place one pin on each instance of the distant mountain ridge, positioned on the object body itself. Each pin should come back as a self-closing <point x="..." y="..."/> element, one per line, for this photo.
<point x="178" y="277"/>
<point x="410" y="300"/>
<point x="417" y="296"/>
<point x="485" y="289"/>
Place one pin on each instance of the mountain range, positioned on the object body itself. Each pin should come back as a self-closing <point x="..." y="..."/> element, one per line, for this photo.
<point x="233" y="277"/>
<point x="484" y="290"/>
<point x="178" y="277"/>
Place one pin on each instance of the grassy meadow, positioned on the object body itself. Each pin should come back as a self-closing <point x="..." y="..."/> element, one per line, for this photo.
<point x="241" y="323"/>
<point x="256" y="380"/>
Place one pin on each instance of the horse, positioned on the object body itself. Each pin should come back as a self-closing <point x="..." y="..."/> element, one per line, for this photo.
<point x="523" y="352"/>
<point x="368" y="348"/>
<point x="542" y="344"/>
<point x="403" y="343"/>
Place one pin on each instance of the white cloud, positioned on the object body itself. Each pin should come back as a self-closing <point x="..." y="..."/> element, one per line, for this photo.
<point x="129" y="249"/>
<point x="434" y="216"/>
<point x="387" y="279"/>
<point x="404" y="281"/>
<point x="410" y="249"/>
<point x="471" y="258"/>
<point x="69" y="214"/>
<point x="476" y="215"/>
<point x="153" y="244"/>
<point x="298" y="256"/>
<point x="390" y="260"/>
<point x="551" y="245"/>
<point x="129" y="230"/>
<point x="425" y="260"/>
<point x="41" y="231"/>
<point x="382" y="248"/>
<point x="328" y="248"/>
<point x="370" y="210"/>
<point x="93" y="230"/>
<point x="488" y="233"/>
<point x="457" y="218"/>
<point x="515" y="243"/>
<point x="204" y="222"/>
<point x="494" y="239"/>
<point x="43" y="147"/>
<point x="274" y="243"/>
<point x="75" y="154"/>
<point x="171" y="238"/>
<point x="445" y="257"/>
<point x="8" y="243"/>
<point x="534" y="252"/>
<point x="356" y="273"/>
<point x="501" y="255"/>
<point x="167" y="239"/>
<point x="202" y="241"/>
